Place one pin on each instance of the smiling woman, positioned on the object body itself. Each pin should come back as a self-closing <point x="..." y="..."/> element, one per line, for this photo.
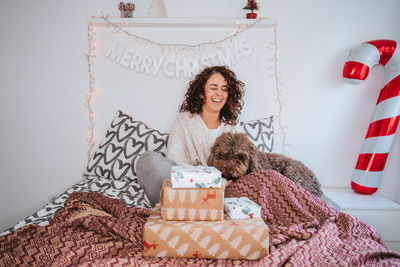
<point x="215" y="97"/>
<point x="216" y="94"/>
<point x="211" y="107"/>
<point x="194" y="101"/>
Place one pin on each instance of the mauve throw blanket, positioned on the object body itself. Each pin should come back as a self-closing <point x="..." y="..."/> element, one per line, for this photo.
<point x="94" y="230"/>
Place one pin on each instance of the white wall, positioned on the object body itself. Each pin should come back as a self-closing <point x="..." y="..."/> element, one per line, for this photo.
<point x="44" y="79"/>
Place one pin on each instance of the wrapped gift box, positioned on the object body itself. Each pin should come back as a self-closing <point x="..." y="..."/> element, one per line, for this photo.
<point x="195" y="177"/>
<point x="200" y="204"/>
<point x="227" y="239"/>
<point x="241" y="208"/>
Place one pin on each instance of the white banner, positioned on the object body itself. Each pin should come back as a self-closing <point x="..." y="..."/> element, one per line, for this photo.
<point x="143" y="60"/>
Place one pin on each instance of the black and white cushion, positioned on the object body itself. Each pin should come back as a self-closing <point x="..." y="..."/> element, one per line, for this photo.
<point x="124" y="142"/>
<point x="260" y="132"/>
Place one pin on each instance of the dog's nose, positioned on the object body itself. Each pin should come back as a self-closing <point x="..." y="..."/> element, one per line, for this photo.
<point x="228" y="174"/>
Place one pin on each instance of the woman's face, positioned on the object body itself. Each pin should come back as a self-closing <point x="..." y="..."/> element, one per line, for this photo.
<point x="216" y="93"/>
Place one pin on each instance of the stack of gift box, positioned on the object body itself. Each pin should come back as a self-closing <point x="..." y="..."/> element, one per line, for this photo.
<point x="189" y="222"/>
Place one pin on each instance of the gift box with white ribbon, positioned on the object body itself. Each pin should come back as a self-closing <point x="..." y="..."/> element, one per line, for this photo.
<point x="195" y="177"/>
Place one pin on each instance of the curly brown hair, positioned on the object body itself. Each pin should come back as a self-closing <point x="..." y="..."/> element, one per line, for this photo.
<point x="194" y="97"/>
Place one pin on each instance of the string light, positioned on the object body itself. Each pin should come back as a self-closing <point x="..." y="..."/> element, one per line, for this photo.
<point x="89" y="96"/>
<point x="169" y="48"/>
<point x="199" y="45"/>
<point x="279" y="96"/>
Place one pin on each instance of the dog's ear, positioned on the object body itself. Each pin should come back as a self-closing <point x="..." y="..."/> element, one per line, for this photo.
<point x="250" y="150"/>
<point x="219" y="143"/>
<point x="211" y="158"/>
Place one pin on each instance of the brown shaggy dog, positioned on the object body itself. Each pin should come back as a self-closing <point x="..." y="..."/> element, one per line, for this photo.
<point x="235" y="155"/>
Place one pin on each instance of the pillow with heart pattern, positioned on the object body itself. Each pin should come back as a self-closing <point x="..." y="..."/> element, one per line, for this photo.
<point x="124" y="142"/>
<point x="260" y="132"/>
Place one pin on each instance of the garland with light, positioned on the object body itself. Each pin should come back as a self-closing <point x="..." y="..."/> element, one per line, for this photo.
<point x="173" y="48"/>
<point x="181" y="46"/>
<point x="89" y="96"/>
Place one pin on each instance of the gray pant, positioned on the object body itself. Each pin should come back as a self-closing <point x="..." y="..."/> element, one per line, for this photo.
<point x="151" y="170"/>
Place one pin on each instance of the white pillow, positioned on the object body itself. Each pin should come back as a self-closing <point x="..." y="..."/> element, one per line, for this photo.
<point x="125" y="140"/>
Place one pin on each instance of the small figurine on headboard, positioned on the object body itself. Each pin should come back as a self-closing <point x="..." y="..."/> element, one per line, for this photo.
<point x="158" y="9"/>
<point x="126" y="9"/>
<point x="251" y="5"/>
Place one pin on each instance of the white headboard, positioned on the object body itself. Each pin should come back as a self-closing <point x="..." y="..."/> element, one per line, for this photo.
<point x="121" y="80"/>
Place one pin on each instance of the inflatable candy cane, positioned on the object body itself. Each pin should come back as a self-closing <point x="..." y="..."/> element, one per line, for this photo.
<point x="381" y="131"/>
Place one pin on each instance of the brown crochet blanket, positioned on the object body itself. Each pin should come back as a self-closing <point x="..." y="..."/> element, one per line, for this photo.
<point x="94" y="230"/>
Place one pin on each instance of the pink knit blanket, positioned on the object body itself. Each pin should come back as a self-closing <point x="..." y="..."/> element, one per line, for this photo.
<point x="94" y="230"/>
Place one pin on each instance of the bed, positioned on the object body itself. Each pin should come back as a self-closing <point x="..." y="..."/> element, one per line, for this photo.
<point x="99" y="220"/>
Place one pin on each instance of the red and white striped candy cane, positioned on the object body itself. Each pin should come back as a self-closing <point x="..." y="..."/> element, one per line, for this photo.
<point x="375" y="150"/>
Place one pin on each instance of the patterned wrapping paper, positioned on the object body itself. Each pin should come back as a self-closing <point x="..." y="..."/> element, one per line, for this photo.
<point x="195" y="177"/>
<point x="227" y="239"/>
<point x="241" y="208"/>
<point x="199" y="204"/>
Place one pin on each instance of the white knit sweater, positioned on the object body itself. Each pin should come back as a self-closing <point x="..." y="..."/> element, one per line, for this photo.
<point x="189" y="142"/>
